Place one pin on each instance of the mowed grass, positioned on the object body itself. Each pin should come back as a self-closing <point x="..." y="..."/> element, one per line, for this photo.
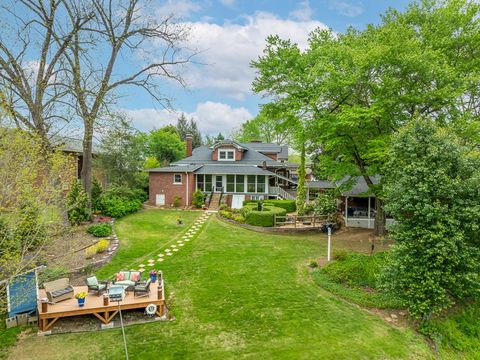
<point x="234" y="294"/>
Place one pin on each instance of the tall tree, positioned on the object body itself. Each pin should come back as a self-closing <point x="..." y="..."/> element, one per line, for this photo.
<point x="262" y="128"/>
<point x="33" y="74"/>
<point x="354" y="90"/>
<point x="122" y="155"/>
<point x="118" y="29"/>
<point x="432" y="182"/>
<point x="185" y="127"/>
<point x="165" y="145"/>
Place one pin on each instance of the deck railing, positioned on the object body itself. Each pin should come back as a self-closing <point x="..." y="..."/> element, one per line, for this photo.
<point x="304" y="220"/>
<point x="278" y="191"/>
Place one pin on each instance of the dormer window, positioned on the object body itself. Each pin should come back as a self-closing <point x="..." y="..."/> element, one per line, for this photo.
<point x="226" y="155"/>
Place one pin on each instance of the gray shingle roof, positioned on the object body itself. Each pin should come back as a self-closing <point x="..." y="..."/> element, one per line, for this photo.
<point x="321" y="184"/>
<point x="172" y="169"/>
<point x="233" y="169"/>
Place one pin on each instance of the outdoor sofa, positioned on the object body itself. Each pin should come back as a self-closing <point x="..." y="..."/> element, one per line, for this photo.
<point x="127" y="279"/>
<point x="58" y="290"/>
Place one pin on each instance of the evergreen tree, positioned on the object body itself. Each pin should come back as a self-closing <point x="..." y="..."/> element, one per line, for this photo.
<point x="182" y="126"/>
<point x="96" y="193"/>
<point x="197" y="136"/>
<point x="77" y="204"/>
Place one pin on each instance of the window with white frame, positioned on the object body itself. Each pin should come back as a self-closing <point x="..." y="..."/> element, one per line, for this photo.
<point x="177" y="178"/>
<point x="226" y="155"/>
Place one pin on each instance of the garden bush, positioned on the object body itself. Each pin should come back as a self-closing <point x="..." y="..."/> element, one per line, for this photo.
<point x="100" y="230"/>
<point x="51" y="273"/>
<point x="117" y="207"/>
<point x="288" y="205"/>
<point x="226" y="214"/>
<point x="97" y="248"/>
<point x="198" y="199"/>
<point x="263" y="218"/>
<point x="77" y="205"/>
<point x="356" y="269"/>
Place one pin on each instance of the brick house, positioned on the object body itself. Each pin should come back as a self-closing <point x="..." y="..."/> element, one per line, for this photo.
<point x="228" y="171"/>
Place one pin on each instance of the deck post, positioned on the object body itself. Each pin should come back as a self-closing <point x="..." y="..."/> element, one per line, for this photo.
<point x="346" y="211"/>
<point x="369" y="217"/>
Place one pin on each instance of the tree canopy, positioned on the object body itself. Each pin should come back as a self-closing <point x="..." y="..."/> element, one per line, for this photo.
<point x="350" y="92"/>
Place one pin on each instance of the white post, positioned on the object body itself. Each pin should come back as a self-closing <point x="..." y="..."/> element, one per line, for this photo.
<point x="346" y="211"/>
<point x="329" y="239"/>
<point x="369" y="217"/>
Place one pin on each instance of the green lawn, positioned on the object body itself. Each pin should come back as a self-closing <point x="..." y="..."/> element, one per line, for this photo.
<point x="235" y="294"/>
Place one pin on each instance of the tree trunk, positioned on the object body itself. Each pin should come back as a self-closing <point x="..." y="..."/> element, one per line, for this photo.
<point x="87" y="160"/>
<point x="380" y="219"/>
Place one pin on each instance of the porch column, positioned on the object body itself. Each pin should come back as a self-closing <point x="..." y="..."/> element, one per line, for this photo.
<point x="346" y="211"/>
<point x="369" y="217"/>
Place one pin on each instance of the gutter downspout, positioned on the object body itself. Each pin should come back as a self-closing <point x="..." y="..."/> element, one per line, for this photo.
<point x="186" y="190"/>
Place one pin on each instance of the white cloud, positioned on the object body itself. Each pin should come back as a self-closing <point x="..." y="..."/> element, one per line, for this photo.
<point x="212" y="117"/>
<point x="346" y="8"/>
<point x="179" y="8"/>
<point x="303" y="12"/>
<point x="229" y="48"/>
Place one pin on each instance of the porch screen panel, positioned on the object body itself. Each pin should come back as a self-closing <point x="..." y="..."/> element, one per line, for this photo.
<point x="251" y="183"/>
<point x="201" y="182"/>
<point x="240" y="184"/>
<point x="260" y="183"/>
<point x="230" y="183"/>
<point x="208" y="182"/>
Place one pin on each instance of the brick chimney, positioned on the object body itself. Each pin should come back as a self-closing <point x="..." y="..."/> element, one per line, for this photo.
<point x="189" y="145"/>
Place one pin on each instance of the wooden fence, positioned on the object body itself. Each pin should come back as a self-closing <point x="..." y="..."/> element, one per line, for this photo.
<point x="301" y="220"/>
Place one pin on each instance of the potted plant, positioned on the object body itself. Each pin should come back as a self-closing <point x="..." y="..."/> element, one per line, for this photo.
<point x="153" y="275"/>
<point x="81" y="298"/>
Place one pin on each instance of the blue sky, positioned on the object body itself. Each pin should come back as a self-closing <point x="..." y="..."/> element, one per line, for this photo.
<point x="230" y="33"/>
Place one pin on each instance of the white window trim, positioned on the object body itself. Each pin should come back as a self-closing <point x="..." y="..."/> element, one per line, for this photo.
<point x="181" y="178"/>
<point x="226" y="155"/>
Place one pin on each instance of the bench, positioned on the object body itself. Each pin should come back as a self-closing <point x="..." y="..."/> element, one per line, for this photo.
<point x="59" y="290"/>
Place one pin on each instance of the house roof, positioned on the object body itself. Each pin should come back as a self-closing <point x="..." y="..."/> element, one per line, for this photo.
<point x="233" y="143"/>
<point x="359" y="187"/>
<point x="203" y="155"/>
<point x="173" y="169"/>
<point x="271" y="148"/>
<point x="233" y="170"/>
<point x="71" y="144"/>
<point x="321" y="184"/>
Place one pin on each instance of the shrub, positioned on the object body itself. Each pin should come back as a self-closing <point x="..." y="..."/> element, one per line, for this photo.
<point x="97" y="248"/>
<point x="356" y="269"/>
<point x="224" y="207"/>
<point x="198" y="199"/>
<point x="288" y="205"/>
<point x="96" y="194"/>
<point x="176" y="201"/>
<point x="263" y="218"/>
<point x="102" y="245"/>
<point x="306" y="210"/>
<point x="238" y="218"/>
<point x="326" y="204"/>
<point x="118" y="207"/>
<point x="226" y="214"/>
<point x="100" y="230"/>
<point x="126" y="192"/>
<point x="77" y="204"/>
<point x="313" y="264"/>
<point x="51" y="273"/>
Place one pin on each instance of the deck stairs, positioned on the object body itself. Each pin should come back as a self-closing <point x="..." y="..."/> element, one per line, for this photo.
<point x="282" y="194"/>
<point x="215" y="202"/>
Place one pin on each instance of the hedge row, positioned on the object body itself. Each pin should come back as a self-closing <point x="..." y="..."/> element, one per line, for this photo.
<point x="261" y="218"/>
<point x="289" y="205"/>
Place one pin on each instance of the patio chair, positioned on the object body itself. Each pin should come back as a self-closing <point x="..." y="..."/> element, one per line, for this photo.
<point x="96" y="286"/>
<point x="142" y="288"/>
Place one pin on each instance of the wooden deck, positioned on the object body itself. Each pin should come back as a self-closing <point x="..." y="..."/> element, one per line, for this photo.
<point x="94" y="305"/>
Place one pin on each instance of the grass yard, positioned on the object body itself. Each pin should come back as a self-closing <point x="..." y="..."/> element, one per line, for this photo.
<point x="234" y="294"/>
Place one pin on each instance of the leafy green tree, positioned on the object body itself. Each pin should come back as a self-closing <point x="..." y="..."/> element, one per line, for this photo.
<point x="122" y="156"/>
<point x="352" y="91"/>
<point x="165" y="145"/>
<point x="432" y="183"/>
<point x="262" y="128"/>
<point x="77" y="204"/>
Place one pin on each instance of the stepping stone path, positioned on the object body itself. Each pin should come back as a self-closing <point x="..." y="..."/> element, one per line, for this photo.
<point x="197" y="225"/>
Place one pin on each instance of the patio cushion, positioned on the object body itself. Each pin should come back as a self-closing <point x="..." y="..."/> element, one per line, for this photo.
<point x="60" y="292"/>
<point x="92" y="281"/>
<point x="125" y="282"/>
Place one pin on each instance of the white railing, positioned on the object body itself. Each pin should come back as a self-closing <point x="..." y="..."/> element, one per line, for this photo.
<point x="278" y="191"/>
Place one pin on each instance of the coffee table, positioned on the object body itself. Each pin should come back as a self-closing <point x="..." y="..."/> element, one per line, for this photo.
<point x="116" y="292"/>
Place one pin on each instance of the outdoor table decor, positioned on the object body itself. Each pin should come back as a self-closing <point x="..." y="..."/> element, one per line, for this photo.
<point x="81" y="298"/>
